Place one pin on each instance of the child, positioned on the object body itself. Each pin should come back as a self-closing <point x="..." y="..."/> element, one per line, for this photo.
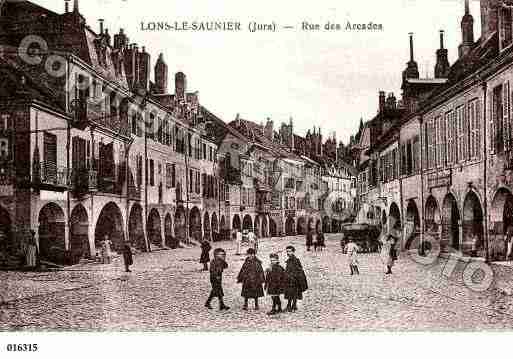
<point x="352" y="253"/>
<point x="205" y="254"/>
<point x="217" y="266"/>
<point x="275" y="278"/>
<point x="319" y="241"/>
<point x="127" y="257"/>
<point x="296" y="283"/>
<point x="251" y="276"/>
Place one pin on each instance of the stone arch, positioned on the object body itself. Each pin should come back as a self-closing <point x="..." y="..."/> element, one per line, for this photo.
<point x="290" y="226"/>
<point x="318" y="226"/>
<point x="236" y="224"/>
<point x="450" y="221"/>
<point x="195" y="231"/>
<point x="258" y="229"/>
<point x="501" y="217"/>
<point x="110" y="223"/>
<point x="79" y="234"/>
<point x="394" y="216"/>
<point x="136" y="227"/>
<point x="301" y="226"/>
<point x="224" y="230"/>
<point x="154" y="228"/>
<point x="432" y="216"/>
<point x="207" y="230"/>
<point x="168" y="232"/>
<point x="52" y="245"/>
<point x="473" y="216"/>
<point x="412" y="223"/>
<point x="180" y="224"/>
<point x="247" y="223"/>
<point x="310" y="225"/>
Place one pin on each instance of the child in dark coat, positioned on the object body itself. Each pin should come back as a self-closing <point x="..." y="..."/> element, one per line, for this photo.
<point x="275" y="278"/>
<point x="252" y="277"/>
<point x="319" y="241"/>
<point x="205" y="254"/>
<point x="217" y="266"/>
<point x="296" y="280"/>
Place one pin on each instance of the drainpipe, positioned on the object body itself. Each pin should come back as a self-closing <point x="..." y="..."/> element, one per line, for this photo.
<point x="485" y="177"/>
<point x="422" y="220"/>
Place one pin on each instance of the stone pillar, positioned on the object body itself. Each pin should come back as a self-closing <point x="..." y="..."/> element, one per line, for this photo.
<point x="67" y="233"/>
<point x="460" y="232"/>
<point x="90" y="236"/>
<point x="163" y="231"/>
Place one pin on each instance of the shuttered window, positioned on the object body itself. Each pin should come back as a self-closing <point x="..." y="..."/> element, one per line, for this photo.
<point x="50" y="157"/>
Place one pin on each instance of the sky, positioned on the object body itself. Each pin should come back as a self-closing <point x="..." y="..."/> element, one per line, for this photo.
<point x="319" y="78"/>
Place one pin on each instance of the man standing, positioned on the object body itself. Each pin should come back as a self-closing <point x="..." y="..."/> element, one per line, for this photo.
<point x="309" y="239"/>
<point x="252" y="277"/>
<point x="127" y="257"/>
<point x="252" y="241"/>
<point x="296" y="282"/>
<point x="217" y="266"/>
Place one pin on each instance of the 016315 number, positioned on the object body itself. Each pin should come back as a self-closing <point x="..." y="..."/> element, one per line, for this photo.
<point x="22" y="347"/>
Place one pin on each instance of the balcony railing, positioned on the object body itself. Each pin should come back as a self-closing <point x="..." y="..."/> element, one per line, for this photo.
<point x="52" y="175"/>
<point x="84" y="180"/>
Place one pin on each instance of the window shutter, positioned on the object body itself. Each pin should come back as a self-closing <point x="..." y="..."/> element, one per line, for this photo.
<point x="493" y="113"/>
<point x="505" y="112"/>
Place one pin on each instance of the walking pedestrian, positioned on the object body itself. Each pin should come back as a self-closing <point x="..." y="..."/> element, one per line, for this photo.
<point x="31" y="253"/>
<point x="205" y="254"/>
<point x="275" y="278"/>
<point x="238" y="241"/>
<point x="252" y="277"/>
<point x="309" y="239"/>
<point x="296" y="282"/>
<point x="252" y="241"/>
<point x="319" y="241"/>
<point x="106" y="250"/>
<point x="352" y="250"/>
<point x="388" y="249"/>
<point x="217" y="266"/>
<point x="508" y="239"/>
<point x="127" y="257"/>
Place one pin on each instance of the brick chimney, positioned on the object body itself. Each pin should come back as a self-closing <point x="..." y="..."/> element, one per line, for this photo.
<point x="442" y="60"/>
<point x="269" y="129"/>
<point x="382" y="101"/>
<point x="180" y="85"/>
<point x="467" y="32"/>
<point x="489" y="17"/>
<point x="143" y="68"/>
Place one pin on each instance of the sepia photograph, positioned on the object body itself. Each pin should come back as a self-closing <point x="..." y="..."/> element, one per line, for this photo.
<point x="262" y="167"/>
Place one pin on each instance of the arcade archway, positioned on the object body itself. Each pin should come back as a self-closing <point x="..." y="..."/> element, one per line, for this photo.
<point x="258" y="231"/>
<point x="136" y="228"/>
<point x="195" y="231"/>
<point x="247" y="223"/>
<point x="110" y="223"/>
<point x="51" y="234"/>
<point x="412" y="225"/>
<point x="180" y="222"/>
<point x="450" y="221"/>
<point x="168" y="232"/>
<point x="79" y="234"/>
<point x="6" y="240"/>
<point x="265" y="227"/>
<point x="273" y="228"/>
<point x="432" y="215"/>
<point x="473" y="229"/>
<point x="154" y="228"/>
<point x="289" y="227"/>
<point x="501" y="217"/>
<point x="206" y="227"/>
<point x="215" y="227"/>
<point x="236" y="223"/>
<point x="326" y="224"/>
<point x="394" y="217"/>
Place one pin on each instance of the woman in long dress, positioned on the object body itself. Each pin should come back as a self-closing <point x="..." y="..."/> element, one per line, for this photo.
<point x="388" y="248"/>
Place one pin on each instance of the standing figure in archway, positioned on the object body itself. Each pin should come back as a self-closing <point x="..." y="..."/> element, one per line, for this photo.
<point x="388" y="249"/>
<point x="31" y="252"/>
<point x="106" y="250"/>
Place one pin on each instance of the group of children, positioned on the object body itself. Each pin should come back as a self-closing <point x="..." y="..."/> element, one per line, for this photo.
<point x="315" y="239"/>
<point x="289" y="281"/>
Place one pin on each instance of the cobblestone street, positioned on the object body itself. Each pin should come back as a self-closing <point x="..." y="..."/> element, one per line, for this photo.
<point x="167" y="291"/>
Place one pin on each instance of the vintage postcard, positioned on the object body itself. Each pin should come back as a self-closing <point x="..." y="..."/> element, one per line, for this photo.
<point x="255" y="166"/>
